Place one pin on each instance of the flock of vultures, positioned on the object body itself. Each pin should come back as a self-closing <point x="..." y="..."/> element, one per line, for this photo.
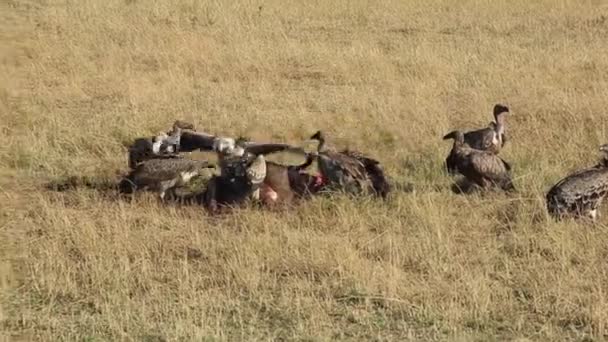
<point x="244" y="175"/>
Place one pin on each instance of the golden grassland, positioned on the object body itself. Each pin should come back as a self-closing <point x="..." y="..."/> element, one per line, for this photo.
<point x="78" y="79"/>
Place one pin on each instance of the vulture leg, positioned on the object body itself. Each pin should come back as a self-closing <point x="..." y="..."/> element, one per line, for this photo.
<point x="255" y="195"/>
<point x="593" y="214"/>
<point x="210" y="199"/>
<point x="166" y="186"/>
<point x="127" y="186"/>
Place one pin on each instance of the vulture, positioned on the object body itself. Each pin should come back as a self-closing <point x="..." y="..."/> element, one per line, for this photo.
<point x="161" y="146"/>
<point x="581" y="193"/>
<point x="241" y="147"/>
<point x="239" y="180"/>
<point x="349" y="170"/>
<point x="279" y="184"/>
<point x="274" y="187"/>
<point x="191" y="140"/>
<point x="491" y="138"/>
<point x="181" y="124"/>
<point x="482" y="168"/>
<point x="162" y="175"/>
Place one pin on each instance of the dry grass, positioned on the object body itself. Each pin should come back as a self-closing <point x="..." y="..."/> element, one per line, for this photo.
<point x="79" y="78"/>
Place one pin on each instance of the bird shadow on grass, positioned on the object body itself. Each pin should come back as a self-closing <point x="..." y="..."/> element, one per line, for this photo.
<point x="463" y="186"/>
<point x="71" y="183"/>
<point x="111" y="189"/>
<point x="192" y="195"/>
<point x="403" y="187"/>
<point x="65" y="188"/>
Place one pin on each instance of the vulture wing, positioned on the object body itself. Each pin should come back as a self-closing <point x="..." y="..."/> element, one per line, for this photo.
<point x="489" y="166"/>
<point x="481" y="139"/>
<point x="191" y="141"/>
<point x="268" y="148"/>
<point x="373" y="171"/>
<point x="343" y="171"/>
<point x="492" y="168"/>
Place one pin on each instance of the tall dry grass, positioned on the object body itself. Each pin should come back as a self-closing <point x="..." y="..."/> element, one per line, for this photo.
<point x="80" y="78"/>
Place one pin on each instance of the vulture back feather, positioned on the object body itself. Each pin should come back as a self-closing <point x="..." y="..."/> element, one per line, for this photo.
<point x="581" y="193"/>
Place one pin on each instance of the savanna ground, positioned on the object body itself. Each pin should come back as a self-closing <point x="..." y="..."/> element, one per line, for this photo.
<point x="79" y="79"/>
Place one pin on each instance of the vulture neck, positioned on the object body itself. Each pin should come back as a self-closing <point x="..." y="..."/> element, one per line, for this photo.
<point x="500" y="123"/>
<point x="322" y="146"/>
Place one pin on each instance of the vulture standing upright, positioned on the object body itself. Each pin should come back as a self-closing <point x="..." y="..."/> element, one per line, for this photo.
<point x="491" y="138"/>
<point x="483" y="168"/>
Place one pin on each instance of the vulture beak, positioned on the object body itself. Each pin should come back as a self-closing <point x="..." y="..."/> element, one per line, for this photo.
<point x="450" y="135"/>
<point x="316" y="136"/>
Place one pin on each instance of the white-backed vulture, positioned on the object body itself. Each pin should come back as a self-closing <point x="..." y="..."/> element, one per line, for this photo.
<point x="161" y="146"/>
<point x="581" y="193"/>
<point x="162" y="175"/>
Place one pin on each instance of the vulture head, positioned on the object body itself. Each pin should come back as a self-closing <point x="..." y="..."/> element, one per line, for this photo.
<point x="166" y="144"/>
<point x="183" y="125"/>
<point x="499" y="113"/>
<point x="320" y="137"/>
<point x="223" y="145"/>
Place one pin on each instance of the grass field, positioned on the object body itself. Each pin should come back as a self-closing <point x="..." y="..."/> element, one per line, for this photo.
<point x="78" y="79"/>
